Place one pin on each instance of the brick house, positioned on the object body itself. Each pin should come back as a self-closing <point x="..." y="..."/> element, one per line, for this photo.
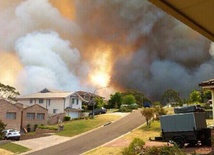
<point x="10" y="114"/>
<point x="34" y="115"/>
<point x="17" y="117"/>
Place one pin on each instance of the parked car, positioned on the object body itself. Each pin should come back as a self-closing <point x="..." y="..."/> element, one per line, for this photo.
<point x="98" y="111"/>
<point x="11" y="134"/>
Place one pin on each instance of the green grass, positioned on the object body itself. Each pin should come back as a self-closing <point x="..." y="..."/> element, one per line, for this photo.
<point x="154" y="126"/>
<point x="76" y="127"/>
<point x="15" y="148"/>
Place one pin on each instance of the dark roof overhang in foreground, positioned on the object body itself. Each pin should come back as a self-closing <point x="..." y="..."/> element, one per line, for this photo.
<point x="207" y="84"/>
<point x="197" y="14"/>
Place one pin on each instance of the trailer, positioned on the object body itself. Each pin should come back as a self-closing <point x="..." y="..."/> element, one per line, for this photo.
<point x="182" y="128"/>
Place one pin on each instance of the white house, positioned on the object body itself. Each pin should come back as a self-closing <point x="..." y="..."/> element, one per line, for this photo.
<point x="56" y="101"/>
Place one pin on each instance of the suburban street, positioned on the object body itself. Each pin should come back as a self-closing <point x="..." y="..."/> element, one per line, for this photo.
<point x="97" y="137"/>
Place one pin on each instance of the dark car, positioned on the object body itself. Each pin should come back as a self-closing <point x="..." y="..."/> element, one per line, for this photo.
<point x="98" y="111"/>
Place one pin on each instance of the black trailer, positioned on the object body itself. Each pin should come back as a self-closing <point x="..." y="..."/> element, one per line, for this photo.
<point x="184" y="128"/>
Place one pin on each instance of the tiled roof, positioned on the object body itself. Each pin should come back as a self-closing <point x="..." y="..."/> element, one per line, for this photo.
<point x="47" y="94"/>
<point x="81" y="93"/>
<point x="207" y="83"/>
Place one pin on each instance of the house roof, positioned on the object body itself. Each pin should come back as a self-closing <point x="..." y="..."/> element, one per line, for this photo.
<point x="82" y="93"/>
<point x="10" y="102"/>
<point x="34" y="106"/>
<point x="207" y="84"/>
<point x="197" y="14"/>
<point x="47" y="94"/>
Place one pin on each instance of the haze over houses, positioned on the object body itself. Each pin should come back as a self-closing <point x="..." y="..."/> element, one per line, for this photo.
<point x="44" y="107"/>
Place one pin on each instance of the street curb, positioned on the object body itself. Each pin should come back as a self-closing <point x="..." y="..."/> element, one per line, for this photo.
<point x="113" y="139"/>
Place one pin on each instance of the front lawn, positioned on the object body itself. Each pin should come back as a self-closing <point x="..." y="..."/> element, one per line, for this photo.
<point x="76" y="127"/>
<point x="15" y="148"/>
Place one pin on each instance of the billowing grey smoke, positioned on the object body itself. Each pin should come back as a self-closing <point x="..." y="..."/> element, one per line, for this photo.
<point x="166" y="53"/>
<point x="152" y="51"/>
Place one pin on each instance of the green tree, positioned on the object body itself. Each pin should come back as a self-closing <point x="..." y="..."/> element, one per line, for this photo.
<point x="8" y="92"/>
<point x="171" y="96"/>
<point x="195" y="97"/>
<point x="115" y="100"/>
<point x="129" y="99"/>
<point x="159" y="110"/>
<point x="139" y="96"/>
<point x="148" y="113"/>
<point x="99" y="102"/>
<point x="206" y="95"/>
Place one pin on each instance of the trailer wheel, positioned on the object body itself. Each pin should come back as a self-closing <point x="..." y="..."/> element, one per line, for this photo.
<point x="179" y="141"/>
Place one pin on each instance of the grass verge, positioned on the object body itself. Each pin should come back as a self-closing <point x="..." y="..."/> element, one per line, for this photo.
<point x="143" y="133"/>
<point x="76" y="127"/>
<point x="15" y="148"/>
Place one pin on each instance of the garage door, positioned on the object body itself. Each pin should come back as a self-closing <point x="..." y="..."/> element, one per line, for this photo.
<point x="74" y="115"/>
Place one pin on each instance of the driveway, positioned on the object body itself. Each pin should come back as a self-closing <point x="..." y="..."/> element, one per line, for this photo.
<point x="90" y="140"/>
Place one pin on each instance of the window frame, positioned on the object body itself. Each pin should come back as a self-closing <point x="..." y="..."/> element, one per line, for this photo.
<point x="28" y="115"/>
<point x="41" y="101"/>
<point x="40" y="114"/>
<point x="9" y="115"/>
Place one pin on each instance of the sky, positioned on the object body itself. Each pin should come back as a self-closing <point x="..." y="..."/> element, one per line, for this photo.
<point x="77" y="45"/>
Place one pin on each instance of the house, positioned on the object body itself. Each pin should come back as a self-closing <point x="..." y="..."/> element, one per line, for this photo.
<point x="16" y="116"/>
<point x="34" y="115"/>
<point x="55" y="101"/>
<point x="10" y="114"/>
<point x="88" y="98"/>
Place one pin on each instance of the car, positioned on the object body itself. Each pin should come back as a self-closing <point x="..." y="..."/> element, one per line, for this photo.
<point x="11" y="134"/>
<point x="98" y="111"/>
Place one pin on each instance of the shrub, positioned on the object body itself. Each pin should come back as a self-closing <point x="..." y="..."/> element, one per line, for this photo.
<point x="28" y="127"/>
<point x="67" y="118"/>
<point x="48" y="127"/>
<point x="135" y="147"/>
<point x="163" y="150"/>
<point x="2" y="127"/>
<point x="125" y="109"/>
<point x="35" y="127"/>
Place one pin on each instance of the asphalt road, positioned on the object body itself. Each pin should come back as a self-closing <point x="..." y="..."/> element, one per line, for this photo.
<point x="95" y="138"/>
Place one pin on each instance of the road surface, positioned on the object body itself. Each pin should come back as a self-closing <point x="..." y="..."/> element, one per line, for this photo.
<point x="95" y="138"/>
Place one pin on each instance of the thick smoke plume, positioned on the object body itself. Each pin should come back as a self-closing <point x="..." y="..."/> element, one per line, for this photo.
<point x="78" y="44"/>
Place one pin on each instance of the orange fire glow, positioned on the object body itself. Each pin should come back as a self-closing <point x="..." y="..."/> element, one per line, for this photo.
<point x="100" y="75"/>
<point x="10" y="67"/>
<point x="66" y="7"/>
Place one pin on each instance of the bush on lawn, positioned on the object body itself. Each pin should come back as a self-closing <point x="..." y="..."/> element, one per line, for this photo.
<point x="125" y="109"/>
<point x="67" y="118"/>
<point x="163" y="150"/>
<point x="134" y="148"/>
<point x="2" y="127"/>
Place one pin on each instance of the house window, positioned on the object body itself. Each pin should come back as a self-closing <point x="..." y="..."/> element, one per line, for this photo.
<point x="40" y="116"/>
<point x="40" y="100"/>
<point x="31" y="115"/>
<point x="55" y="111"/>
<point x="49" y="102"/>
<point x="11" y="115"/>
<point x="77" y="101"/>
<point x="73" y="100"/>
<point x="31" y="100"/>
